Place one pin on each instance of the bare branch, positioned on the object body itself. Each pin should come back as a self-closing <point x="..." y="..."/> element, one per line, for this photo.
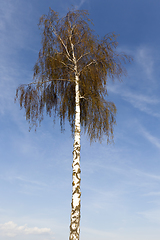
<point x="67" y="66"/>
<point x="83" y="56"/>
<point x="92" y="62"/>
<point x="80" y="40"/>
<point x="71" y="26"/>
<point x="70" y="39"/>
<point x="68" y="55"/>
<point x="83" y="97"/>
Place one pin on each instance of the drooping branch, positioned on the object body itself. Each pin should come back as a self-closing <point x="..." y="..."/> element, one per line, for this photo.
<point x="37" y="82"/>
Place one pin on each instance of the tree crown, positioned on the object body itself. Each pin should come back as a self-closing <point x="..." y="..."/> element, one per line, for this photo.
<point x="70" y="47"/>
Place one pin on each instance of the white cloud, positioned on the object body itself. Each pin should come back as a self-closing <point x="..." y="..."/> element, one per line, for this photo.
<point x="11" y="229"/>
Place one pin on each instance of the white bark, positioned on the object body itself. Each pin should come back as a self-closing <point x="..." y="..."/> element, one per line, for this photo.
<point x="76" y="193"/>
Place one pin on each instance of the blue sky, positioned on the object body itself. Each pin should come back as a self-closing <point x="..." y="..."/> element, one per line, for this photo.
<point x="120" y="182"/>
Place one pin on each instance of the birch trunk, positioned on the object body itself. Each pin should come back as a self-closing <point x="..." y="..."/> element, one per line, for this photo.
<point x="76" y="193"/>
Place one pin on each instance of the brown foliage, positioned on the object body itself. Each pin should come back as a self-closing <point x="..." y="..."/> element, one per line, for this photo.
<point x="53" y="88"/>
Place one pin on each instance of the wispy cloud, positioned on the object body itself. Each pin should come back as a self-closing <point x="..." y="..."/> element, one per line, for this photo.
<point x="140" y="101"/>
<point x="143" y="56"/>
<point x="25" y="185"/>
<point x="140" y="87"/>
<point x="99" y="233"/>
<point x="151" y="215"/>
<point x="124" y="233"/>
<point x="15" y="35"/>
<point x="22" y="179"/>
<point x="14" y="25"/>
<point x="11" y="229"/>
<point x="145" y="174"/>
<point x="80" y="4"/>
<point x="76" y="4"/>
<point x="122" y="168"/>
<point x="152" y="139"/>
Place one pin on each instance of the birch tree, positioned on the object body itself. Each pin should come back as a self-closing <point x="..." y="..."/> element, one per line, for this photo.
<point x="70" y="82"/>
